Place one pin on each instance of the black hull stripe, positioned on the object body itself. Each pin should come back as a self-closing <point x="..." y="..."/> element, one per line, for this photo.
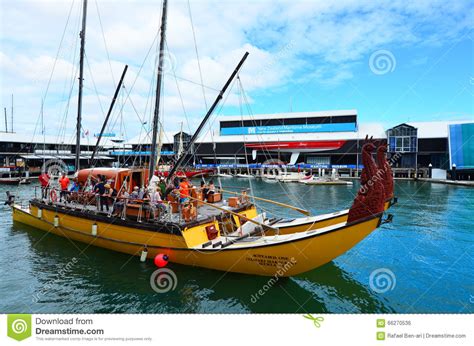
<point x="379" y="216"/>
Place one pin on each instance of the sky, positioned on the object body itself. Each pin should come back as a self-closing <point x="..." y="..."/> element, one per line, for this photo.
<point x="394" y="61"/>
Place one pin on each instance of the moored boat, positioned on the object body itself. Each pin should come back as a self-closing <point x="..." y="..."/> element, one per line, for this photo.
<point x="245" y="176"/>
<point x="192" y="230"/>
<point x="191" y="244"/>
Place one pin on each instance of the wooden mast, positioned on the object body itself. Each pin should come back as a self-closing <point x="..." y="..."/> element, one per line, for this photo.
<point x="159" y="82"/>
<point x="104" y="125"/>
<point x="206" y="117"/>
<point x="82" y="35"/>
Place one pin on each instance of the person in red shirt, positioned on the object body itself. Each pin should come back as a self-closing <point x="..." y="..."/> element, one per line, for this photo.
<point x="64" y="183"/>
<point x="44" y="181"/>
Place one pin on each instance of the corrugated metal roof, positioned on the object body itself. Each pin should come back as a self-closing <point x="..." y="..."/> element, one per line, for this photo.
<point x="16" y="137"/>
<point x="435" y="129"/>
<point x="329" y="113"/>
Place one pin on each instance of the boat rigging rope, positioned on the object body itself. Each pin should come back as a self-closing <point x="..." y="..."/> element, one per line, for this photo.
<point x="105" y="42"/>
<point x="213" y="118"/>
<point x="200" y="76"/>
<point x="50" y="77"/>
<point x="245" y="148"/>
<point x="267" y="154"/>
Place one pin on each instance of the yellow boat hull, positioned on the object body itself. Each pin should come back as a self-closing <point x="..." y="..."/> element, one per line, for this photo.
<point x="317" y="222"/>
<point x="291" y="255"/>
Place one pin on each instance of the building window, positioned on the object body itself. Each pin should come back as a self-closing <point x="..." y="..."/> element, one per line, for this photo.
<point x="402" y="138"/>
<point x="318" y="160"/>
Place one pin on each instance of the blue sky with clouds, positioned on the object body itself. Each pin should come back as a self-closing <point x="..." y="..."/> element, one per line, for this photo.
<point x="393" y="61"/>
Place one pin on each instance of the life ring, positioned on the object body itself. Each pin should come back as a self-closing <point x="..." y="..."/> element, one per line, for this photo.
<point x="53" y="195"/>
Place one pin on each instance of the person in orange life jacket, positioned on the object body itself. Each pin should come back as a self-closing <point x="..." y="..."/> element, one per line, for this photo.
<point x="184" y="190"/>
<point x="64" y="183"/>
<point x="44" y="181"/>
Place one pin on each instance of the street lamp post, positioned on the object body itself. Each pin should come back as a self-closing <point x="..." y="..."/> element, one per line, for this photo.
<point x="453" y="172"/>
<point x="430" y="171"/>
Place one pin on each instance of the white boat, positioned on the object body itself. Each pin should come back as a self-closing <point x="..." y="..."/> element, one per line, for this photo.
<point x="325" y="181"/>
<point x="247" y="176"/>
<point x="291" y="177"/>
<point x="221" y="175"/>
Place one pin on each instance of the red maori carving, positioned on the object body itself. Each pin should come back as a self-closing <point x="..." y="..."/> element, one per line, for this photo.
<point x="386" y="169"/>
<point x="371" y="196"/>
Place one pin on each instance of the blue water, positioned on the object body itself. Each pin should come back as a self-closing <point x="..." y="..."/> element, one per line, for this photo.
<point x="427" y="253"/>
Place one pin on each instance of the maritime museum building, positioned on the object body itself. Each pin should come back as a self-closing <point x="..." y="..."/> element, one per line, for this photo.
<point x="312" y="140"/>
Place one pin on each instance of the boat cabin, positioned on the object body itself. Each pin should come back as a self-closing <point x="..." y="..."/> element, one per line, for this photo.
<point x="121" y="177"/>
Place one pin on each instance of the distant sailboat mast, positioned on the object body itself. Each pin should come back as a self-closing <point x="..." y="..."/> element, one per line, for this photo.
<point x="180" y="147"/>
<point x="82" y="35"/>
<point x="159" y="82"/>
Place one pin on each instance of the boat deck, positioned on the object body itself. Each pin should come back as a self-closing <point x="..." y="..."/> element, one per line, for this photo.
<point x="204" y="212"/>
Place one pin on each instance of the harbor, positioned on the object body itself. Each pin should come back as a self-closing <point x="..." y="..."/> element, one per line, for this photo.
<point x="103" y="281"/>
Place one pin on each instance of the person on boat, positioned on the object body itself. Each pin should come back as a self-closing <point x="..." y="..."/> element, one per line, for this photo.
<point x="169" y="188"/>
<point x="162" y="185"/>
<point x="64" y="183"/>
<point x="75" y="187"/>
<point x="105" y="197"/>
<point x="44" y="181"/>
<point x="120" y="203"/>
<point x="99" y="190"/>
<point x="211" y="189"/>
<point x="176" y="181"/>
<point x="157" y="203"/>
<point x="204" y="189"/>
<point x="135" y="193"/>
<point x="141" y="193"/>
<point x="184" y="190"/>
